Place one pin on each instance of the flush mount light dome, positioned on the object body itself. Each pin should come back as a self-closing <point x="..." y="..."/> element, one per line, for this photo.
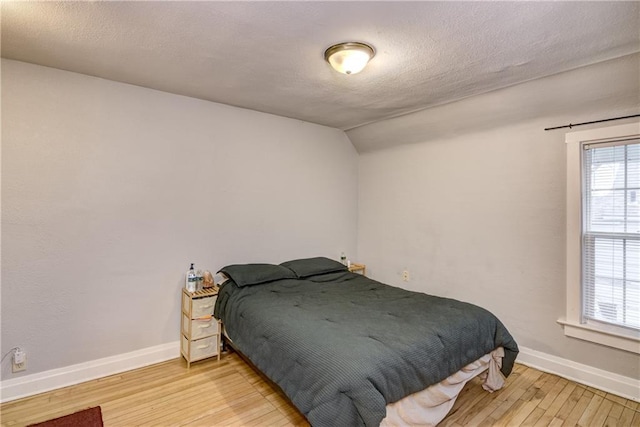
<point x="350" y="57"/>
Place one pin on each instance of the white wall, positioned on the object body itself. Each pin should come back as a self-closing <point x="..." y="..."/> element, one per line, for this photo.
<point x="479" y="214"/>
<point x="110" y="190"/>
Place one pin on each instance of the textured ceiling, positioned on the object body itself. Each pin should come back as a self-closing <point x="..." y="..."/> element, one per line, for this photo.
<point x="268" y="56"/>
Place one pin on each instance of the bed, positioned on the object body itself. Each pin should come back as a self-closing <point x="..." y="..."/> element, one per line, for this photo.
<point x="347" y="349"/>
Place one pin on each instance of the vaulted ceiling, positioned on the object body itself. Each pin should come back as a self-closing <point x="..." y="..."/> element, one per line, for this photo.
<point x="268" y="56"/>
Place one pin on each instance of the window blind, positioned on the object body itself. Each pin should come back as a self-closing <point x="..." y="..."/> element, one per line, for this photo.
<point x="611" y="233"/>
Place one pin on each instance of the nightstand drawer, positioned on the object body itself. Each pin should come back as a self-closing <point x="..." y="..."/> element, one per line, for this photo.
<point x="200" y="349"/>
<point x="198" y="307"/>
<point x="195" y="329"/>
<point x="199" y="330"/>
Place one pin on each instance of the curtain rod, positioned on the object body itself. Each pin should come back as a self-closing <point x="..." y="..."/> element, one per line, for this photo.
<point x="595" y="121"/>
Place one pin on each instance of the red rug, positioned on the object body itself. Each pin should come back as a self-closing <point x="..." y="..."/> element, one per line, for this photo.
<point x="91" y="417"/>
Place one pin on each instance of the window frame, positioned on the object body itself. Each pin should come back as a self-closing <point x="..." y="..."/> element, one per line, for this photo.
<point x="574" y="326"/>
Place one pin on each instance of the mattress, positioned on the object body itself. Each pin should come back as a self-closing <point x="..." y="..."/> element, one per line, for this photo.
<point x="343" y="347"/>
<point x="428" y="407"/>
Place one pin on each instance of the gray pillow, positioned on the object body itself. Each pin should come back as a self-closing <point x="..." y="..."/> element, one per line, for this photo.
<point x="311" y="266"/>
<point x="255" y="274"/>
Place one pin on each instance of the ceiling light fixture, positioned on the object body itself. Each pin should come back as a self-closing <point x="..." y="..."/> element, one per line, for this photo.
<point x="350" y="57"/>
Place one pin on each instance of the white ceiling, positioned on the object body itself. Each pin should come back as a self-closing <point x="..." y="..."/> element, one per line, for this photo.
<point x="268" y="56"/>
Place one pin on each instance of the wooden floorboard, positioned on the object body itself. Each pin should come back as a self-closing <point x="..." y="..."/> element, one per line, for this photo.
<point x="230" y="393"/>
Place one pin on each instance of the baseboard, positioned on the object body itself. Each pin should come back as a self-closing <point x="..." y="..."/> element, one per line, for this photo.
<point x="40" y="382"/>
<point x="28" y="385"/>
<point x="610" y="382"/>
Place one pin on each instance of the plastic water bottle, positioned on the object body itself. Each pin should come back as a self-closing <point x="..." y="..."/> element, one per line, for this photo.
<point x="343" y="259"/>
<point x="199" y="280"/>
<point x="192" y="279"/>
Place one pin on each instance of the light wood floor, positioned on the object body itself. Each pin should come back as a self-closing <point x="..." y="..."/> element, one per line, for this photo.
<point x="230" y="393"/>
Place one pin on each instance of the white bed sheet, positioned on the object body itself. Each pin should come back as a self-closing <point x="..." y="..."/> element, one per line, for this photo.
<point x="429" y="406"/>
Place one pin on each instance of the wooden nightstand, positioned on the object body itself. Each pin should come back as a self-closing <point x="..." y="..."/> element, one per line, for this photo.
<point x="357" y="268"/>
<point x="200" y="331"/>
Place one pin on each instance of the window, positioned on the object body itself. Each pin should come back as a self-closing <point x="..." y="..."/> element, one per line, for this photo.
<point x="611" y="233"/>
<point x="603" y="236"/>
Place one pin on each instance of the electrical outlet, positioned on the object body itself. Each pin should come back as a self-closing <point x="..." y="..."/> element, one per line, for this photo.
<point x="405" y="276"/>
<point x="19" y="361"/>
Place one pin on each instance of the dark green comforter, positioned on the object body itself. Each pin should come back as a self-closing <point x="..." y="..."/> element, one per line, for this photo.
<point x="343" y="346"/>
